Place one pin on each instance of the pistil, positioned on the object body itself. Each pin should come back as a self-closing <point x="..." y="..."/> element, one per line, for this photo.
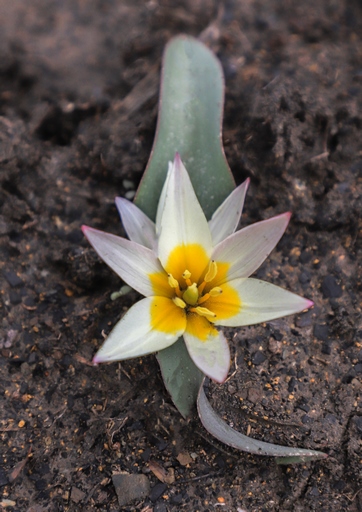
<point x="191" y="295"/>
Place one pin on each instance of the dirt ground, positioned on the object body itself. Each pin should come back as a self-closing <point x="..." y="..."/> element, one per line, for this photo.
<point x="78" y="109"/>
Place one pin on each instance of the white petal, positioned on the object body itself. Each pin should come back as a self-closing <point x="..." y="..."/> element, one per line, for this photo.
<point x="132" y="262"/>
<point x="210" y="355"/>
<point x="262" y="302"/>
<point x="246" y="249"/>
<point x="182" y="220"/>
<point x="226" y="218"/>
<point x="138" y="226"/>
<point x="161" y="202"/>
<point x="133" y="336"/>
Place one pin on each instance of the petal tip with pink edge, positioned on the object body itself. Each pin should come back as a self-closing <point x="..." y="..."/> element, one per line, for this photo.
<point x="97" y="359"/>
<point x="220" y="378"/>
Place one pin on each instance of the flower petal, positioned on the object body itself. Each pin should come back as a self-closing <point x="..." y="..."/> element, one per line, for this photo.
<point x="246" y="249"/>
<point x="226" y="218"/>
<point x="225" y="305"/>
<point x="161" y="201"/>
<point x="262" y="302"/>
<point x="132" y="262"/>
<point x="182" y="220"/>
<point x="136" y="334"/>
<point x="139" y="227"/>
<point x="208" y="348"/>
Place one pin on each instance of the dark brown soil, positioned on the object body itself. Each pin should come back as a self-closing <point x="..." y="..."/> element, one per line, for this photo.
<point x="78" y="106"/>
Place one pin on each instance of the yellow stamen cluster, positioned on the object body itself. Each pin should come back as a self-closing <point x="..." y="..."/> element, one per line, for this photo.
<point x="191" y="296"/>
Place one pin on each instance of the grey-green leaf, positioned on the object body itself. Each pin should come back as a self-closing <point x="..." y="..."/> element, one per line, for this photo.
<point x="180" y="375"/>
<point x="224" y="433"/>
<point x="189" y="121"/>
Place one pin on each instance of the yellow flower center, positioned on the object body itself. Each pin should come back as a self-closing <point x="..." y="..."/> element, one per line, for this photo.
<point x="189" y="295"/>
<point x="197" y="287"/>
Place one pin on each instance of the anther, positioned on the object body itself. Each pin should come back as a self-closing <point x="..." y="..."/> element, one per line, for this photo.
<point x="179" y="302"/>
<point x="203" y="312"/>
<point x="214" y="292"/>
<point x="174" y="284"/>
<point x="186" y="275"/>
<point x="172" y="281"/>
<point x="211" y="272"/>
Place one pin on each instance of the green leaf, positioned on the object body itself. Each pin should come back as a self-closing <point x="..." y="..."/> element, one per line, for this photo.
<point x="224" y="433"/>
<point x="180" y="376"/>
<point x="189" y="121"/>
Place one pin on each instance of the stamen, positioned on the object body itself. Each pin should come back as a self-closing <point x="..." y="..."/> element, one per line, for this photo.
<point x="203" y="312"/>
<point x="179" y="302"/>
<point x="204" y="298"/>
<point x="172" y="281"/>
<point x="201" y="287"/>
<point x="214" y="292"/>
<point x="191" y="295"/>
<point x="186" y="275"/>
<point x="174" y="284"/>
<point x="211" y="272"/>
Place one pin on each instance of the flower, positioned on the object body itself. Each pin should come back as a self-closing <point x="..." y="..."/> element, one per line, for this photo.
<point x="194" y="275"/>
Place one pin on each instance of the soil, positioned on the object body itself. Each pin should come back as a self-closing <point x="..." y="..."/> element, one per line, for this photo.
<point x="78" y="110"/>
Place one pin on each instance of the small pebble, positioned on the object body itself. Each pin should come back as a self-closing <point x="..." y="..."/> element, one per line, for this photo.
<point x="12" y="278"/>
<point x="321" y="332"/>
<point x="15" y="297"/>
<point x="77" y="495"/>
<point x="258" y="358"/>
<point x="358" y="423"/>
<point x="130" y="488"/>
<point x="128" y="184"/>
<point x="331" y="288"/>
<point x="274" y="346"/>
<point x="326" y="348"/>
<point x="160" y="507"/>
<point x="254" y="395"/>
<point x="130" y="194"/>
<point x="157" y="491"/>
